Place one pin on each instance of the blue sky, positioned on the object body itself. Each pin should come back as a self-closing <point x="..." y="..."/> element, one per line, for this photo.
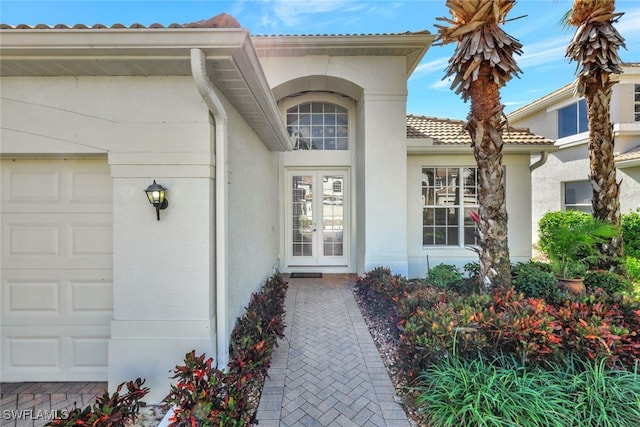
<point x="544" y="66"/>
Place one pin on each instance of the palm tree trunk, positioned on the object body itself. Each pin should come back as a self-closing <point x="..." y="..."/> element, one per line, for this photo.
<point x="485" y="125"/>
<point x="594" y="47"/>
<point x="606" y="201"/>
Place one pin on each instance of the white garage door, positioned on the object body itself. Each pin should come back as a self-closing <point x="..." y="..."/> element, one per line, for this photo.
<point x="56" y="299"/>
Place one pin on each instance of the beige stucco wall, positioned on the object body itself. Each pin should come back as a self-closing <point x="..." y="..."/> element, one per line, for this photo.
<point x="377" y="87"/>
<point x="571" y="161"/>
<point x="164" y="271"/>
<point x="518" y="195"/>
<point x="253" y="214"/>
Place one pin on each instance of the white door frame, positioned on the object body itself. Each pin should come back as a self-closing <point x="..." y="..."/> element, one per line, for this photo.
<point x="313" y="233"/>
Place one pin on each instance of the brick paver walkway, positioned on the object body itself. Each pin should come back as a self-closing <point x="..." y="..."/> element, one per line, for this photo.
<point x="327" y="372"/>
<point x="34" y="404"/>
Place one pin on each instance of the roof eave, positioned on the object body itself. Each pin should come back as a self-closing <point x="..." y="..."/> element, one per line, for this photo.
<point x="413" y="46"/>
<point x="76" y="52"/>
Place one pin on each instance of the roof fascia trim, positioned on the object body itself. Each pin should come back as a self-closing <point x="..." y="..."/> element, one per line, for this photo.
<point x="417" y="43"/>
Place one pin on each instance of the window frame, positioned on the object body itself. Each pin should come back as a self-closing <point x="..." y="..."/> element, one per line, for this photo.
<point x="575" y="206"/>
<point x="636" y="103"/>
<point x="577" y="126"/>
<point x="321" y="125"/>
<point x="464" y="223"/>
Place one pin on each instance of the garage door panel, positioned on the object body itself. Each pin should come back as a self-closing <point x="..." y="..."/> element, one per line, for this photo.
<point x="56" y="295"/>
<point x="33" y="297"/>
<point x="46" y="354"/>
<point x="83" y="189"/>
<point x="35" y="241"/>
<point x="89" y="352"/>
<point x="56" y="186"/>
<point x="75" y="297"/>
<point x="91" y="297"/>
<point x="23" y="186"/>
<point x="32" y="352"/>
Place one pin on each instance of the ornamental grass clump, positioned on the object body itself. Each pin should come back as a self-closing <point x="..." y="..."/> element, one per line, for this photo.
<point x="504" y="392"/>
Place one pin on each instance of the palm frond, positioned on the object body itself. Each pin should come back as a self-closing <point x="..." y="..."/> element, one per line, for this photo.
<point x="481" y="43"/>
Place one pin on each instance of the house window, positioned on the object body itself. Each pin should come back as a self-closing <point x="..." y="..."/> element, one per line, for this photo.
<point x="449" y="194"/>
<point x="636" y="103"/>
<point x="577" y="196"/>
<point x="572" y="119"/>
<point x="318" y="126"/>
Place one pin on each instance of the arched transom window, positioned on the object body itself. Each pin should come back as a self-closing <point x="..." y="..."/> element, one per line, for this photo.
<point x="318" y="126"/>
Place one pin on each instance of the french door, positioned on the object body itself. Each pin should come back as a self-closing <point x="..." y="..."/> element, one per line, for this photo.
<point x="317" y="217"/>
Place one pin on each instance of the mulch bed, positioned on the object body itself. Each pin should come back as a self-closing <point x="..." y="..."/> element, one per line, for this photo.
<point x="380" y="318"/>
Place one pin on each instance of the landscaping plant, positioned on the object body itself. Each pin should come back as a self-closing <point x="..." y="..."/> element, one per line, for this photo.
<point x="207" y="396"/>
<point x="504" y="392"/>
<point x="116" y="410"/>
<point x="535" y="279"/>
<point x="608" y="281"/>
<point x="446" y="276"/>
<point x="631" y="233"/>
<point x="571" y="248"/>
<point x="435" y="324"/>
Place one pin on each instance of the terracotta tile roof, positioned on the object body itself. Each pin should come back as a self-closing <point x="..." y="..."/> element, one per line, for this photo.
<point x="452" y="132"/>
<point x="406" y="33"/>
<point x="633" y="154"/>
<point x="222" y="20"/>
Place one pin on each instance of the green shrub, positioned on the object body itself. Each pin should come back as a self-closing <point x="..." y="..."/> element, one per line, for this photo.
<point x="633" y="269"/>
<point x="631" y="233"/>
<point x="455" y="392"/>
<point x="551" y="221"/>
<point x="608" y="281"/>
<point x="535" y="279"/>
<point x="380" y="282"/>
<point x="446" y="276"/>
<point x="472" y="269"/>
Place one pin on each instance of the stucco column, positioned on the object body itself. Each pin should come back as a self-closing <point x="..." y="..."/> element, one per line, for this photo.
<point x="163" y="278"/>
<point x="385" y="180"/>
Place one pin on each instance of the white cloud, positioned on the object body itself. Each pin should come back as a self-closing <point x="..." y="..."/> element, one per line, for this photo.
<point x="441" y="84"/>
<point x="292" y="13"/>
<point x="434" y="66"/>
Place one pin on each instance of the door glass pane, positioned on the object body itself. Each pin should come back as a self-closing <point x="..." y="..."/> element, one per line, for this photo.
<point x="332" y="214"/>
<point x="302" y="215"/>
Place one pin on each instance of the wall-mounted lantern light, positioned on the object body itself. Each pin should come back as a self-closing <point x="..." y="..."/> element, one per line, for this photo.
<point x="155" y="194"/>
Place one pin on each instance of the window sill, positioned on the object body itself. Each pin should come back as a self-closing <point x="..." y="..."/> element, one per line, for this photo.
<point x="572" y="140"/>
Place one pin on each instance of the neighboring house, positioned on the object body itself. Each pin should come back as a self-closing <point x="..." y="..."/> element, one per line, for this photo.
<point x="562" y="182"/>
<point x="290" y="153"/>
